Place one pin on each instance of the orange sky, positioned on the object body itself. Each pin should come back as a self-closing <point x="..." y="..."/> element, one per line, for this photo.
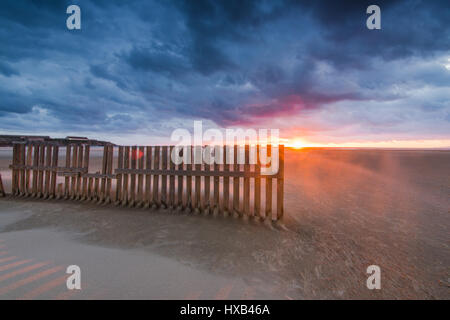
<point x="422" y="144"/>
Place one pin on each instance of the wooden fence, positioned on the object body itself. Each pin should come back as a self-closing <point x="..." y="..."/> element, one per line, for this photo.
<point x="138" y="176"/>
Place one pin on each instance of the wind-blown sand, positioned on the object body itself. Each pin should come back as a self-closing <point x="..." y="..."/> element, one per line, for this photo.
<point x="345" y="210"/>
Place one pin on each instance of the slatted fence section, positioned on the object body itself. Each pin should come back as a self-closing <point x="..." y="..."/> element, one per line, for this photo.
<point x="198" y="185"/>
<point x="220" y="179"/>
<point x="35" y="168"/>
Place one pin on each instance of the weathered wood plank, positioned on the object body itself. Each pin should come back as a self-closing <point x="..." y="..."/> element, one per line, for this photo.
<point x="102" y="194"/>
<point x="156" y="177"/>
<point x="41" y="172"/>
<point x="44" y="167"/>
<point x="126" y="165"/>
<point x="280" y="183"/>
<point x="98" y="175"/>
<point x="226" y="179"/>
<point x="191" y="173"/>
<point x="269" y="188"/>
<point x="53" y="173"/>
<point x="85" y="167"/>
<point x="109" y="169"/>
<point x="164" y="177"/>
<point x="133" y="177"/>
<point x="197" y="181"/>
<point x="236" y="182"/>
<point x="80" y="166"/>
<point x="119" y="176"/>
<point x="180" y="186"/>
<point x="74" y="178"/>
<point x="247" y="181"/>
<point x="28" y="174"/>
<point x="140" y="187"/>
<point x="35" y="171"/>
<point x="15" y="173"/>
<point x="14" y="170"/>
<point x="257" y="194"/>
<point x="171" y="180"/>
<point x="189" y="178"/>
<point x="207" y="193"/>
<point x="48" y="162"/>
<point x="148" y="177"/>
<point x="22" y="171"/>
<point x="216" y="179"/>
<point x="2" y="189"/>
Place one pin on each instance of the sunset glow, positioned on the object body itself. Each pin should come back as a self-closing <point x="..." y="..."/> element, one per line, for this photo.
<point x="296" y="144"/>
<point x="405" y="144"/>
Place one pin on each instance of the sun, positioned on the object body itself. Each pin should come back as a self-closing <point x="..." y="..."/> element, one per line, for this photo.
<point x="296" y="144"/>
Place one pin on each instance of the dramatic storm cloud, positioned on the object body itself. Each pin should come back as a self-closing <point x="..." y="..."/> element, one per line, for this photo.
<point x="143" y="68"/>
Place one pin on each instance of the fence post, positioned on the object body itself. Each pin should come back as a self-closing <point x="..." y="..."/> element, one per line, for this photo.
<point x="280" y="183"/>
<point x="2" y="190"/>
<point x="163" y="201"/>
<point x="126" y="165"/>
<point x="257" y="195"/>
<point x="109" y="165"/>
<point x="247" y="181"/>
<point x="269" y="187"/>
<point x="41" y="171"/>
<point x="180" y="187"/>
<point x="22" y="170"/>
<point x="148" y="177"/>
<point x="13" y="173"/>
<point x="35" y="171"/>
<point x="102" y="195"/>
<point x="172" y="180"/>
<point x="119" y="177"/>
<point x="207" y="193"/>
<point x="87" y="150"/>
<point x="156" y="178"/>
<point x="140" y="186"/>
<point x="73" y="177"/>
<point x="53" y="172"/>
<point x="197" y="182"/>
<point x="28" y="172"/>
<point x="67" y="178"/>
<point x="189" y="178"/>
<point x="133" y="177"/>
<point x="48" y="162"/>
<point x="216" y="179"/>
<point x="226" y="179"/>
<point x="78" y="176"/>
<point x="236" y="182"/>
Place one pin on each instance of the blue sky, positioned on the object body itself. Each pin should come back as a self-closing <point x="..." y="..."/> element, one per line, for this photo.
<point x="137" y="70"/>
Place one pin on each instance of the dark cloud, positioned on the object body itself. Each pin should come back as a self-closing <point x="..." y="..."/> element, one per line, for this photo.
<point x="138" y="64"/>
<point x="158" y="61"/>
<point x="7" y="70"/>
<point x="408" y="28"/>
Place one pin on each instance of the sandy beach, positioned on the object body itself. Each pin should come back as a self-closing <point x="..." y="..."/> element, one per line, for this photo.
<point x="344" y="210"/>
